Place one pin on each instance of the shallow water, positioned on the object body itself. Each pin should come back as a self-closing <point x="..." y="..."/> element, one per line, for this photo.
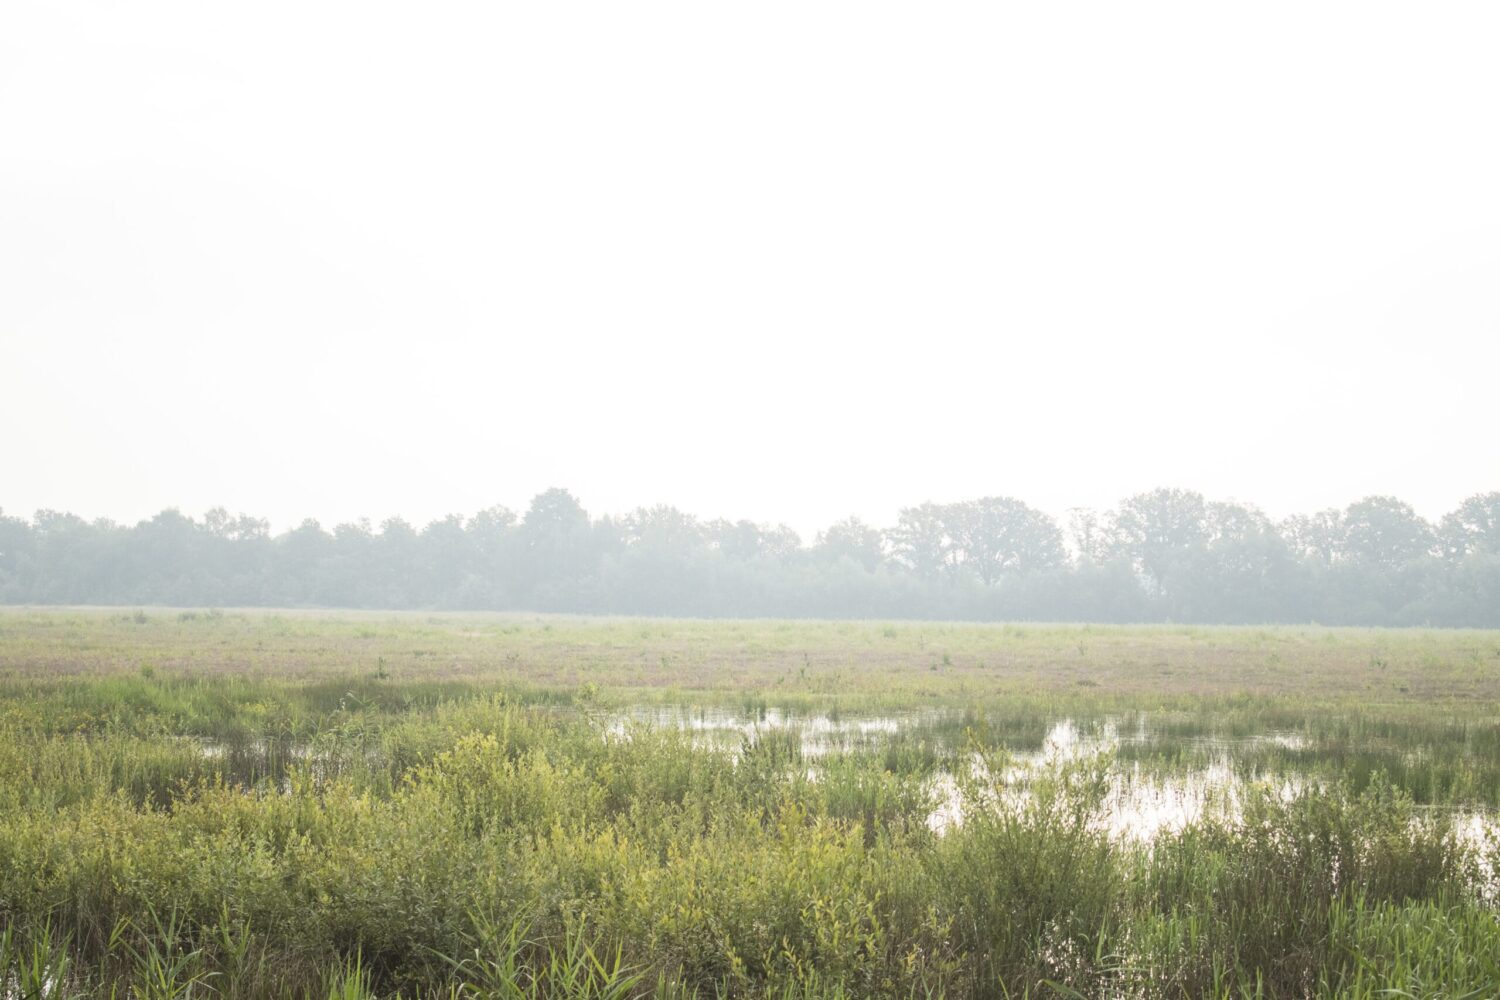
<point x="1138" y="804"/>
<point x="1176" y="779"/>
<point x="727" y="729"/>
<point x="1208" y="775"/>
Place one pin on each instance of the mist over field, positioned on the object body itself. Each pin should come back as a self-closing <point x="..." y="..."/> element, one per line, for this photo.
<point x="1166" y="555"/>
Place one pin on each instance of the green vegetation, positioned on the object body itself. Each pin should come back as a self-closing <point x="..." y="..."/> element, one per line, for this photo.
<point x="203" y="804"/>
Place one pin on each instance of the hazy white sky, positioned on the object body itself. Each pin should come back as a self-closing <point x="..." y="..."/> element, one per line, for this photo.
<point x="785" y="261"/>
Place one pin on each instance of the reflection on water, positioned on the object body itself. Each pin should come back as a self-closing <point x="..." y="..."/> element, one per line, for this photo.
<point x="1154" y="781"/>
<point x="1137" y="804"/>
<point x="1141" y="802"/>
<point x="1205" y="775"/>
<point x="725" y="729"/>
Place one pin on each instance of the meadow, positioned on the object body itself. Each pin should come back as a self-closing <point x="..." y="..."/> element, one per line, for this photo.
<point x="203" y="803"/>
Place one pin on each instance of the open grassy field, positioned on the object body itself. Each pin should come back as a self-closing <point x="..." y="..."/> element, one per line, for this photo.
<point x="896" y="662"/>
<point x="304" y="804"/>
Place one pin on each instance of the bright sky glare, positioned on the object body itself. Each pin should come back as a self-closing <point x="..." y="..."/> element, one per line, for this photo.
<point x="785" y="260"/>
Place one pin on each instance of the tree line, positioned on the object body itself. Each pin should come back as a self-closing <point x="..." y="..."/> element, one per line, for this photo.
<point x="1163" y="555"/>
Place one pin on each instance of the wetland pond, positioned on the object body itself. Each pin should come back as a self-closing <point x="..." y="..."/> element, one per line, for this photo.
<point x="1158" y="777"/>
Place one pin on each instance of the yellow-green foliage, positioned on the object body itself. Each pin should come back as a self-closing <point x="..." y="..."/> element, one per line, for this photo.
<point x="187" y="835"/>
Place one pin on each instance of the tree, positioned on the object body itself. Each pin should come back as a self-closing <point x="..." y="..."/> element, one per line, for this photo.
<point x="170" y="553"/>
<point x="1229" y="522"/>
<point x="1158" y="529"/>
<point x="492" y="523"/>
<point x="741" y="541"/>
<point x="1242" y="573"/>
<point x="555" y="546"/>
<point x="357" y="568"/>
<point x="15" y="538"/>
<point x="1317" y="538"/>
<point x="921" y="540"/>
<point x="854" y="540"/>
<point x="67" y="557"/>
<point x="15" y="554"/>
<point x="780" y="541"/>
<point x="734" y="540"/>
<point x="491" y="535"/>
<point x="1001" y="536"/>
<point x="302" y="563"/>
<point x="664" y="529"/>
<point x="232" y="553"/>
<point x="1090" y="535"/>
<point x="1473" y="527"/>
<point x="445" y="558"/>
<point x="1384" y="533"/>
<point x="554" y="514"/>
